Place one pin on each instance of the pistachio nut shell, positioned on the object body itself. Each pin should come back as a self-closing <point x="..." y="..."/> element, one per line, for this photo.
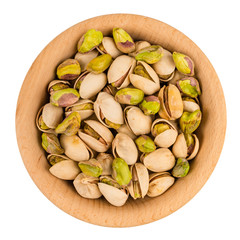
<point x="184" y="63"/>
<point x="196" y="148"/>
<point x="105" y="159"/>
<point x="75" y="148"/>
<point x="92" y="84"/>
<point x="180" y="148"/>
<point x="124" y="147"/>
<point x="181" y="168"/>
<point x="159" y="183"/>
<point x="99" y="64"/>
<point x="56" y="85"/>
<point x="190" y="106"/>
<point x="50" y="143"/>
<point x="166" y="138"/>
<point x="108" y="46"/>
<point x="130" y="96"/>
<point x="55" y="158"/>
<point x="137" y="121"/>
<point x="141" y="44"/>
<point x="85" y="58"/>
<point x="86" y="186"/>
<point x="41" y="124"/>
<point x="126" y="130"/>
<point x="66" y="170"/>
<point x="176" y="76"/>
<point x="119" y="71"/>
<point x="148" y="86"/>
<point x="159" y="160"/>
<point x="69" y="69"/>
<point x="113" y="195"/>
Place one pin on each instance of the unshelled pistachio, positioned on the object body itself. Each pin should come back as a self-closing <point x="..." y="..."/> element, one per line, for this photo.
<point x="99" y="64"/>
<point x="184" y="64"/>
<point x="130" y="96"/>
<point x="145" y="144"/>
<point x="181" y="168"/>
<point x="51" y="144"/>
<point x="150" y="105"/>
<point x="69" y="69"/>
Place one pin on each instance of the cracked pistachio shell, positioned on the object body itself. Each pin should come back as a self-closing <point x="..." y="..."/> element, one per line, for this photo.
<point x="86" y="186"/>
<point x="75" y="148"/>
<point x="159" y="160"/>
<point x="189" y="122"/>
<point x="184" y="64"/>
<point x="105" y="159"/>
<point x="181" y="149"/>
<point x="84" y="107"/>
<point x="66" y="170"/>
<point x="102" y="139"/>
<point x="181" y="168"/>
<point x="165" y="67"/>
<point x="159" y="183"/>
<point x="119" y="71"/>
<point x="110" y="90"/>
<point x="69" y="69"/>
<point x="190" y="105"/>
<point x="108" y="46"/>
<point x="91" y="167"/>
<point x="50" y="143"/>
<point x="171" y="105"/>
<point x="56" y="85"/>
<point x="85" y="58"/>
<point x="150" y="55"/>
<point x="137" y="121"/>
<point x="138" y="187"/>
<point x="55" y="158"/>
<point x="142" y="44"/>
<point x="112" y="192"/>
<point x="189" y="86"/>
<point x="130" y="96"/>
<point x="145" y="78"/>
<point x="106" y="108"/>
<point x="126" y="130"/>
<point x="64" y="97"/>
<point x="99" y="64"/>
<point x="176" y="76"/>
<point x="90" y="40"/>
<point x="123" y="40"/>
<point x="121" y="172"/>
<point x="145" y="144"/>
<point x="124" y="147"/>
<point x="70" y="125"/>
<point x="150" y="105"/>
<point x="164" y="132"/>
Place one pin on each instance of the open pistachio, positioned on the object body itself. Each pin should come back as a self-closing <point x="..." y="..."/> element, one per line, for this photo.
<point x="120" y="70"/>
<point x="159" y="183"/>
<point x="138" y="187"/>
<point x="90" y="40"/>
<point x="91" y="167"/>
<point x="150" y="105"/>
<point x="70" y="125"/>
<point x="110" y="90"/>
<point x="86" y="186"/>
<point x="189" y="86"/>
<point x="164" y="132"/>
<point x="55" y="158"/>
<point x="112" y="191"/>
<point x="108" y="46"/>
<point x="189" y="122"/>
<point x="121" y="172"/>
<point x="150" y="55"/>
<point x="190" y="104"/>
<point x="145" y="78"/>
<point x="64" y="97"/>
<point x="126" y="130"/>
<point x="181" y="168"/>
<point x="183" y="63"/>
<point x="42" y="125"/>
<point x="105" y="159"/>
<point x="51" y="144"/>
<point x="124" y="147"/>
<point x="145" y="144"/>
<point x="171" y="106"/>
<point x="123" y="40"/>
<point x="69" y="69"/>
<point x="99" y="64"/>
<point x="141" y="44"/>
<point x="130" y="96"/>
<point x="56" y="85"/>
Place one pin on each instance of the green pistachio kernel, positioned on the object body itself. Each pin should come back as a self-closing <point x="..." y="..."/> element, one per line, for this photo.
<point x="42" y="124"/>
<point x="141" y="71"/>
<point x="51" y="144"/>
<point x="111" y="124"/>
<point x="145" y="144"/>
<point x="91" y="168"/>
<point x="130" y="96"/>
<point x="69" y="69"/>
<point x="183" y="63"/>
<point x="55" y="159"/>
<point x="181" y="168"/>
<point x="189" y="86"/>
<point x="99" y="64"/>
<point x="160" y="128"/>
<point x="150" y="105"/>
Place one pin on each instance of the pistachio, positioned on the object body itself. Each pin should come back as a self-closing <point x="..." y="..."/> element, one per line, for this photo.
<point x="123" y="40"/>
<point x="181" y="168"/>
<point x="121" y="172"/>
<point x="150" y="105"/>
<point x="85" y="58"/>
<point x="141" y="71"/>
<point x="189" y="86"/>
<point x="64" y="97"/>
<point x="105" y="159"/>
<point x="108" y="46"/>
<point x="69" y="69"/>
<point x="130" y="96"/>
<point x="141" y="44"/>
<point x="42" y="124"/>
<point x="189" y="122"/>
<point x="160" y="128"/>
<point x="111" y="124"/>
<point x="51" y="144"/>
<point x="91" y="168"/>
<point x="190" y="104"/>
<point x="110" y="90"/>
<point x="56" y="85"/>
<point x="145" y="144"/>
<point x="183" y="63"/>
<point x="126" y="130"/>
<point x="55" y="158"/>
<point x="99" y="64"/>
<point x="90" y="40"/>
<point x="70" y="125"/>
<point x="150" y="55"/>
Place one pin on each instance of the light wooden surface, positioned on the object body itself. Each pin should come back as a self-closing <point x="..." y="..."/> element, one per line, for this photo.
<point x="33" y="95"/>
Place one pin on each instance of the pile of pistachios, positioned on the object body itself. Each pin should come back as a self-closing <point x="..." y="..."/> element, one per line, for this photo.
<point x="121" y="118"/>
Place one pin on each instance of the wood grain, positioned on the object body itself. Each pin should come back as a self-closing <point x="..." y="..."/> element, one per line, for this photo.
<point x="33" y="95"/>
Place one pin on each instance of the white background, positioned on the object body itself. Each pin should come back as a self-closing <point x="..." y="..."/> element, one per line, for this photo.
<point x="26" y="27"/>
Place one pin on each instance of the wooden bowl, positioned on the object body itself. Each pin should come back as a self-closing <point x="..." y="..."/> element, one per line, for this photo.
<point x="33" y="95"/>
